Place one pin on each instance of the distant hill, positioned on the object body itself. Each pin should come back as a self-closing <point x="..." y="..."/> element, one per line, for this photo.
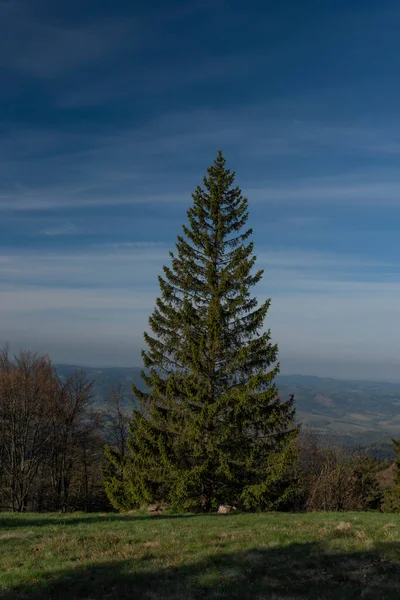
<point x="105" y="377"/>
<point x="361" y="409"/>
<point x="364" y="410"/>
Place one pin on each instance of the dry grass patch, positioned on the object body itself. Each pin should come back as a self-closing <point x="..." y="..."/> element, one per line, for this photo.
<point x="343" y="526"/>
<point x="153" y="544"/>
<point x="226" y="535"/>
<point x="15" y="535"/>
<point x="360" y="534"/>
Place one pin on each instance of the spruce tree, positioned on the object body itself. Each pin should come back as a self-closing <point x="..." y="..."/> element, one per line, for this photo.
<point x="211" y="429"/>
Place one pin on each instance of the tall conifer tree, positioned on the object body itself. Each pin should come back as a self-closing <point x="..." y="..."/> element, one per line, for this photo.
<point x="211" y="429"/>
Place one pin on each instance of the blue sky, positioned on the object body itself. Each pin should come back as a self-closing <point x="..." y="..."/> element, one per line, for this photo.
<point x="110" y="113"/>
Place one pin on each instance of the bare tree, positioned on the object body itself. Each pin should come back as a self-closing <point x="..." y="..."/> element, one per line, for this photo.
<point x="333" y="479"/>
<point x="116" y="419"/>
<point x="71" y="424"/>
<point x="27" y="399"/>
<point x="51" y="444"/>
<point x="116" y="429"/>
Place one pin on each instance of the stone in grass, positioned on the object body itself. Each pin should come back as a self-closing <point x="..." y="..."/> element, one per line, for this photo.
<point x="225" y="509"/>
<point x="157" y="509"/>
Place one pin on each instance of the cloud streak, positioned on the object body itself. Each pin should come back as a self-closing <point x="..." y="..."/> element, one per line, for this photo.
<point x="53" y="169"/>
<point x="314" y="302"/>
<point x="43" y="49"/>
<point x="374" y="188"/>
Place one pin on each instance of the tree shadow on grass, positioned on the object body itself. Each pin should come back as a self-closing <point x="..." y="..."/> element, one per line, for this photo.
<point x="295" y="571"/>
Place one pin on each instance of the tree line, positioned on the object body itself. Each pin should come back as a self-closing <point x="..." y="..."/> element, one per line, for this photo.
<point x="211" y="428"/>
<point x="58" y="449"/>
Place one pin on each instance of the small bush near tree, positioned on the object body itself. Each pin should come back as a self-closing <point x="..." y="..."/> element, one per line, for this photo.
<point x="392" y="496"/>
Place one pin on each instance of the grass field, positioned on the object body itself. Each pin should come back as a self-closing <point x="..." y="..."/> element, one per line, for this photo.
<point x="188" y="557"/>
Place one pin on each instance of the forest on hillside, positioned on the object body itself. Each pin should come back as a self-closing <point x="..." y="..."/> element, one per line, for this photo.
<point x="359" y="413"/>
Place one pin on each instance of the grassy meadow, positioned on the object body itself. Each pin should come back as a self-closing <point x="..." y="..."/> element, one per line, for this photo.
<point x="189" y="557"/>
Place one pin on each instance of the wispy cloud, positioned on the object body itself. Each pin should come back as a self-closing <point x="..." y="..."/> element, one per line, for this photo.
<point x="120" y="245"/>
<point x="160" y="161"/>
<point x="133" y="266"/>
<point x="297" y="258"/>
<point x="43" y="48"/>
<point x="38" y="301"/>
<point x="323" y="305"/>
<point x="374" y="187"/>
<point x="315" y="295"/>
<point x="61" y="230"/>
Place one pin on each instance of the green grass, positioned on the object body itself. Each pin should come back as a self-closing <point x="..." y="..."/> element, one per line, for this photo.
<point x="188" y="557"/>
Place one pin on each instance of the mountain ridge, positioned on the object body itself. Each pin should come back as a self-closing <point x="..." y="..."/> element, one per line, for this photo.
<point x="358" y="409"/>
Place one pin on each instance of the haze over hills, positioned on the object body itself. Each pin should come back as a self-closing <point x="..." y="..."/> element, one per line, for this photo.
<point x="364" y="410"/>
